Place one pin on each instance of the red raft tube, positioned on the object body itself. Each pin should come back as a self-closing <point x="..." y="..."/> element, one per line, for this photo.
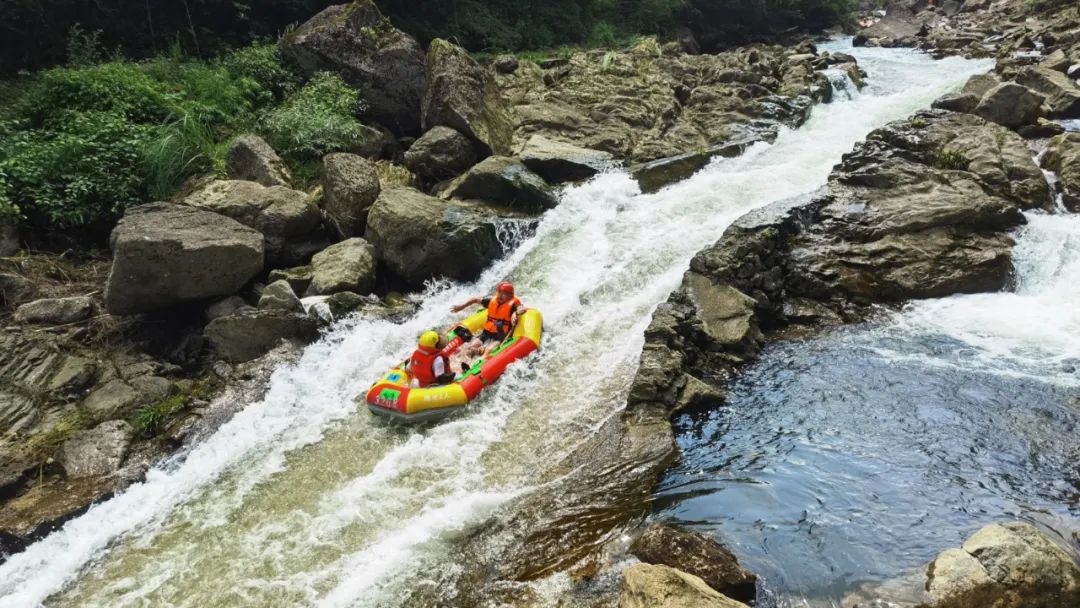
<point x="391" y="396"/>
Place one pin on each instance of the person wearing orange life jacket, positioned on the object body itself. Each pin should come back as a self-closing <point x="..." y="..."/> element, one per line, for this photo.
<point x="502" y="312"/>
<point x="429" y="364"/>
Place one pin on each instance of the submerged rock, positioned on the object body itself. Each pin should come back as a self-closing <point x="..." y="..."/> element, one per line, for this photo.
<point x="166" y="254"/>
<point x="1063" y="157"/>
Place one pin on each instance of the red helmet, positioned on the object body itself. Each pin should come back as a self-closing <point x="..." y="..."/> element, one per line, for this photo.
<point x="505" y="287"/>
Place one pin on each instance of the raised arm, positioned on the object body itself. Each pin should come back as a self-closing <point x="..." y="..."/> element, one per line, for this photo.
<point x="461" y="307"/>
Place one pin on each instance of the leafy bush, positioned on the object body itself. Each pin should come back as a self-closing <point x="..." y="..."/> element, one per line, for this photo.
<point x="262" y="63"/>
<point x="150" y="419"/>
<point x="952" y="160"/>
<point x="316" y="120"/>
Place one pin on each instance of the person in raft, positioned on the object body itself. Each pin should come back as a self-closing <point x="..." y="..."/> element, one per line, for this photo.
<point x="429" y="364"/>
<point x="502" y="311"/>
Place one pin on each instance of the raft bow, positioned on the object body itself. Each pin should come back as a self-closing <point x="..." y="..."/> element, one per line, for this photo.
<point x="391" y="396"/>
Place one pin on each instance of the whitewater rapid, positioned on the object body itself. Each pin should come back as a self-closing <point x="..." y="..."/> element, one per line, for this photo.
<point x="305" y="499"/>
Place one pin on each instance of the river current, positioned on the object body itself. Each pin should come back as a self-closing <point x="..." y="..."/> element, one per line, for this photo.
<point x="304" y="499"/>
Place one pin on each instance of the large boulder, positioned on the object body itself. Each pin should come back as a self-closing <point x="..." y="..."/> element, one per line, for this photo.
<point x="165" y="254"/>
<point x="1010" y="104"/>
<point x="287" y="218"/>
<point x="1062" y="94"/>
<point x="649" y="586"/>
<point x="698" y="555"/>
<point x="359" y="44"/>
<point x="956" y="102"/>
<point x="1010" y="565"/>
<point x="504" y="181"/>
<point x="439" y="154"/>
<point x="55" y="310"/>
<point x="557" y="161"/>
<point x="418" y="236"/>
<point x="98" y="451"/>
<point x="251" y="158"/>
<point x="249" y="333"/>
<point x="350" y="186"/>
<point x="345" y="266"/>
<point x="1063" y="157"/>
<point x="979" y="84"/>
<point x="462" y="95"/>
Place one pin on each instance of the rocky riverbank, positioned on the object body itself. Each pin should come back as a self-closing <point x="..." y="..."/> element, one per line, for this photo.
<point x="111" y="358"/>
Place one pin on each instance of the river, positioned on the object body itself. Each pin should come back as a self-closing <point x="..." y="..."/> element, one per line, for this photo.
<point x="303" y="499"/>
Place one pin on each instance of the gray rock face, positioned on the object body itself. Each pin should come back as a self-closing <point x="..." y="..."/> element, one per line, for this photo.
<point x="345" y="266"/>
<point x="698" y="555"/>
<point x="57" y="310"/>
<point x="224" y="306"/>
<point x="98" y="451"/>
<point x="350" y="186"/>
<point x="360" y="45"/>
<point x="15" y="289"/>
<point x="166" y="254"/>
<point x="980" y="84"/>
<point x="504" y="181"/>
<point x="956" y="103"/>
<point x="462" y="95"/>
<point x="419" y="236"/>
<point x="557" y="162"/>
<point x="9" y="238"/>
<point x="649" y="586"/>
<point x="1063" y="158"/>
<point x="299" y="277"/>
<point x="251" y="158"/>
<point x="247" y="334"/>
<point x="439" y="154"/>
<point x="1010" y="104"/>
<point x="288" y="219"/>
<point x="1010" y="565"/>
<point x="279" y="296"/>
<point x="1062" y="94"/>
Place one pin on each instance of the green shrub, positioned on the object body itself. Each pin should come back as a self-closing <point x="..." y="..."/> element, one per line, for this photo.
<point x="951" y="160"/>
<point x="316" y="120"/>
<point x="262" y="63"/>
<point x="150" y="419"/>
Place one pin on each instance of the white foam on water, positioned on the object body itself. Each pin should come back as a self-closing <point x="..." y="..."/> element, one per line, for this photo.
<point x="301" y="499"/>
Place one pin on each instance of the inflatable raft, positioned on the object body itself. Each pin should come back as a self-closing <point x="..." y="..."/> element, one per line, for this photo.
<point x="391" y="396"/>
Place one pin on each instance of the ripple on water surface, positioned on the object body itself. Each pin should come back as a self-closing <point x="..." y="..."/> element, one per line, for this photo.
<point x="837" y="464"/>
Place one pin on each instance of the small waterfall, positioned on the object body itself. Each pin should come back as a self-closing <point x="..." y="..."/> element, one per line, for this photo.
<point x="843" y="87"/>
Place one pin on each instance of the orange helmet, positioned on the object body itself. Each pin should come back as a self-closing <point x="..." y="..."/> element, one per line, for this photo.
<point x="505" y="287"/>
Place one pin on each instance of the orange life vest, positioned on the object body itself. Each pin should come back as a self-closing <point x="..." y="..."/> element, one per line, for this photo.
<point x="498" y="316"/>
<point x="422" y="363"/>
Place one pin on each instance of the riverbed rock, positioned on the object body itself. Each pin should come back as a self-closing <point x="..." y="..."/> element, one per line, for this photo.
<point x="957" y="102"/>
<point x="506" y="182"/>
<point x="56" y="311"/>
<point x="1010" y="104"/>
<point x="1063" y="157"/>
<point x="97" y="451"/>
<point x="359" y="44"/>
<point x="288" y="219"/>
<point x="249" y="333"/>
<point x="698" y="555"/>
<point x="165" y="254"/>
<point x="462" y="95"/>
<point x="979" y="84"/>
<point x="1062" y="94"/>
<point x="651" y="586"/>
<point x="279" y="295"/>
<point x="439" y="154"/>
<point x="350" y="186"/>
<point x="298" y="277"/>
<point x="15" y="289"/>
<point x="419" y="236"/>
<point x="251" y="158"/>
<point x="1010" y="565"/>
<point x="557" y="161"/>
<point x="345" y="266"/>
<point x="726" y="313"/>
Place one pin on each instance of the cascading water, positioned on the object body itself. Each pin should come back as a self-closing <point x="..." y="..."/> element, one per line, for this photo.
<point x="302" y="499"/>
